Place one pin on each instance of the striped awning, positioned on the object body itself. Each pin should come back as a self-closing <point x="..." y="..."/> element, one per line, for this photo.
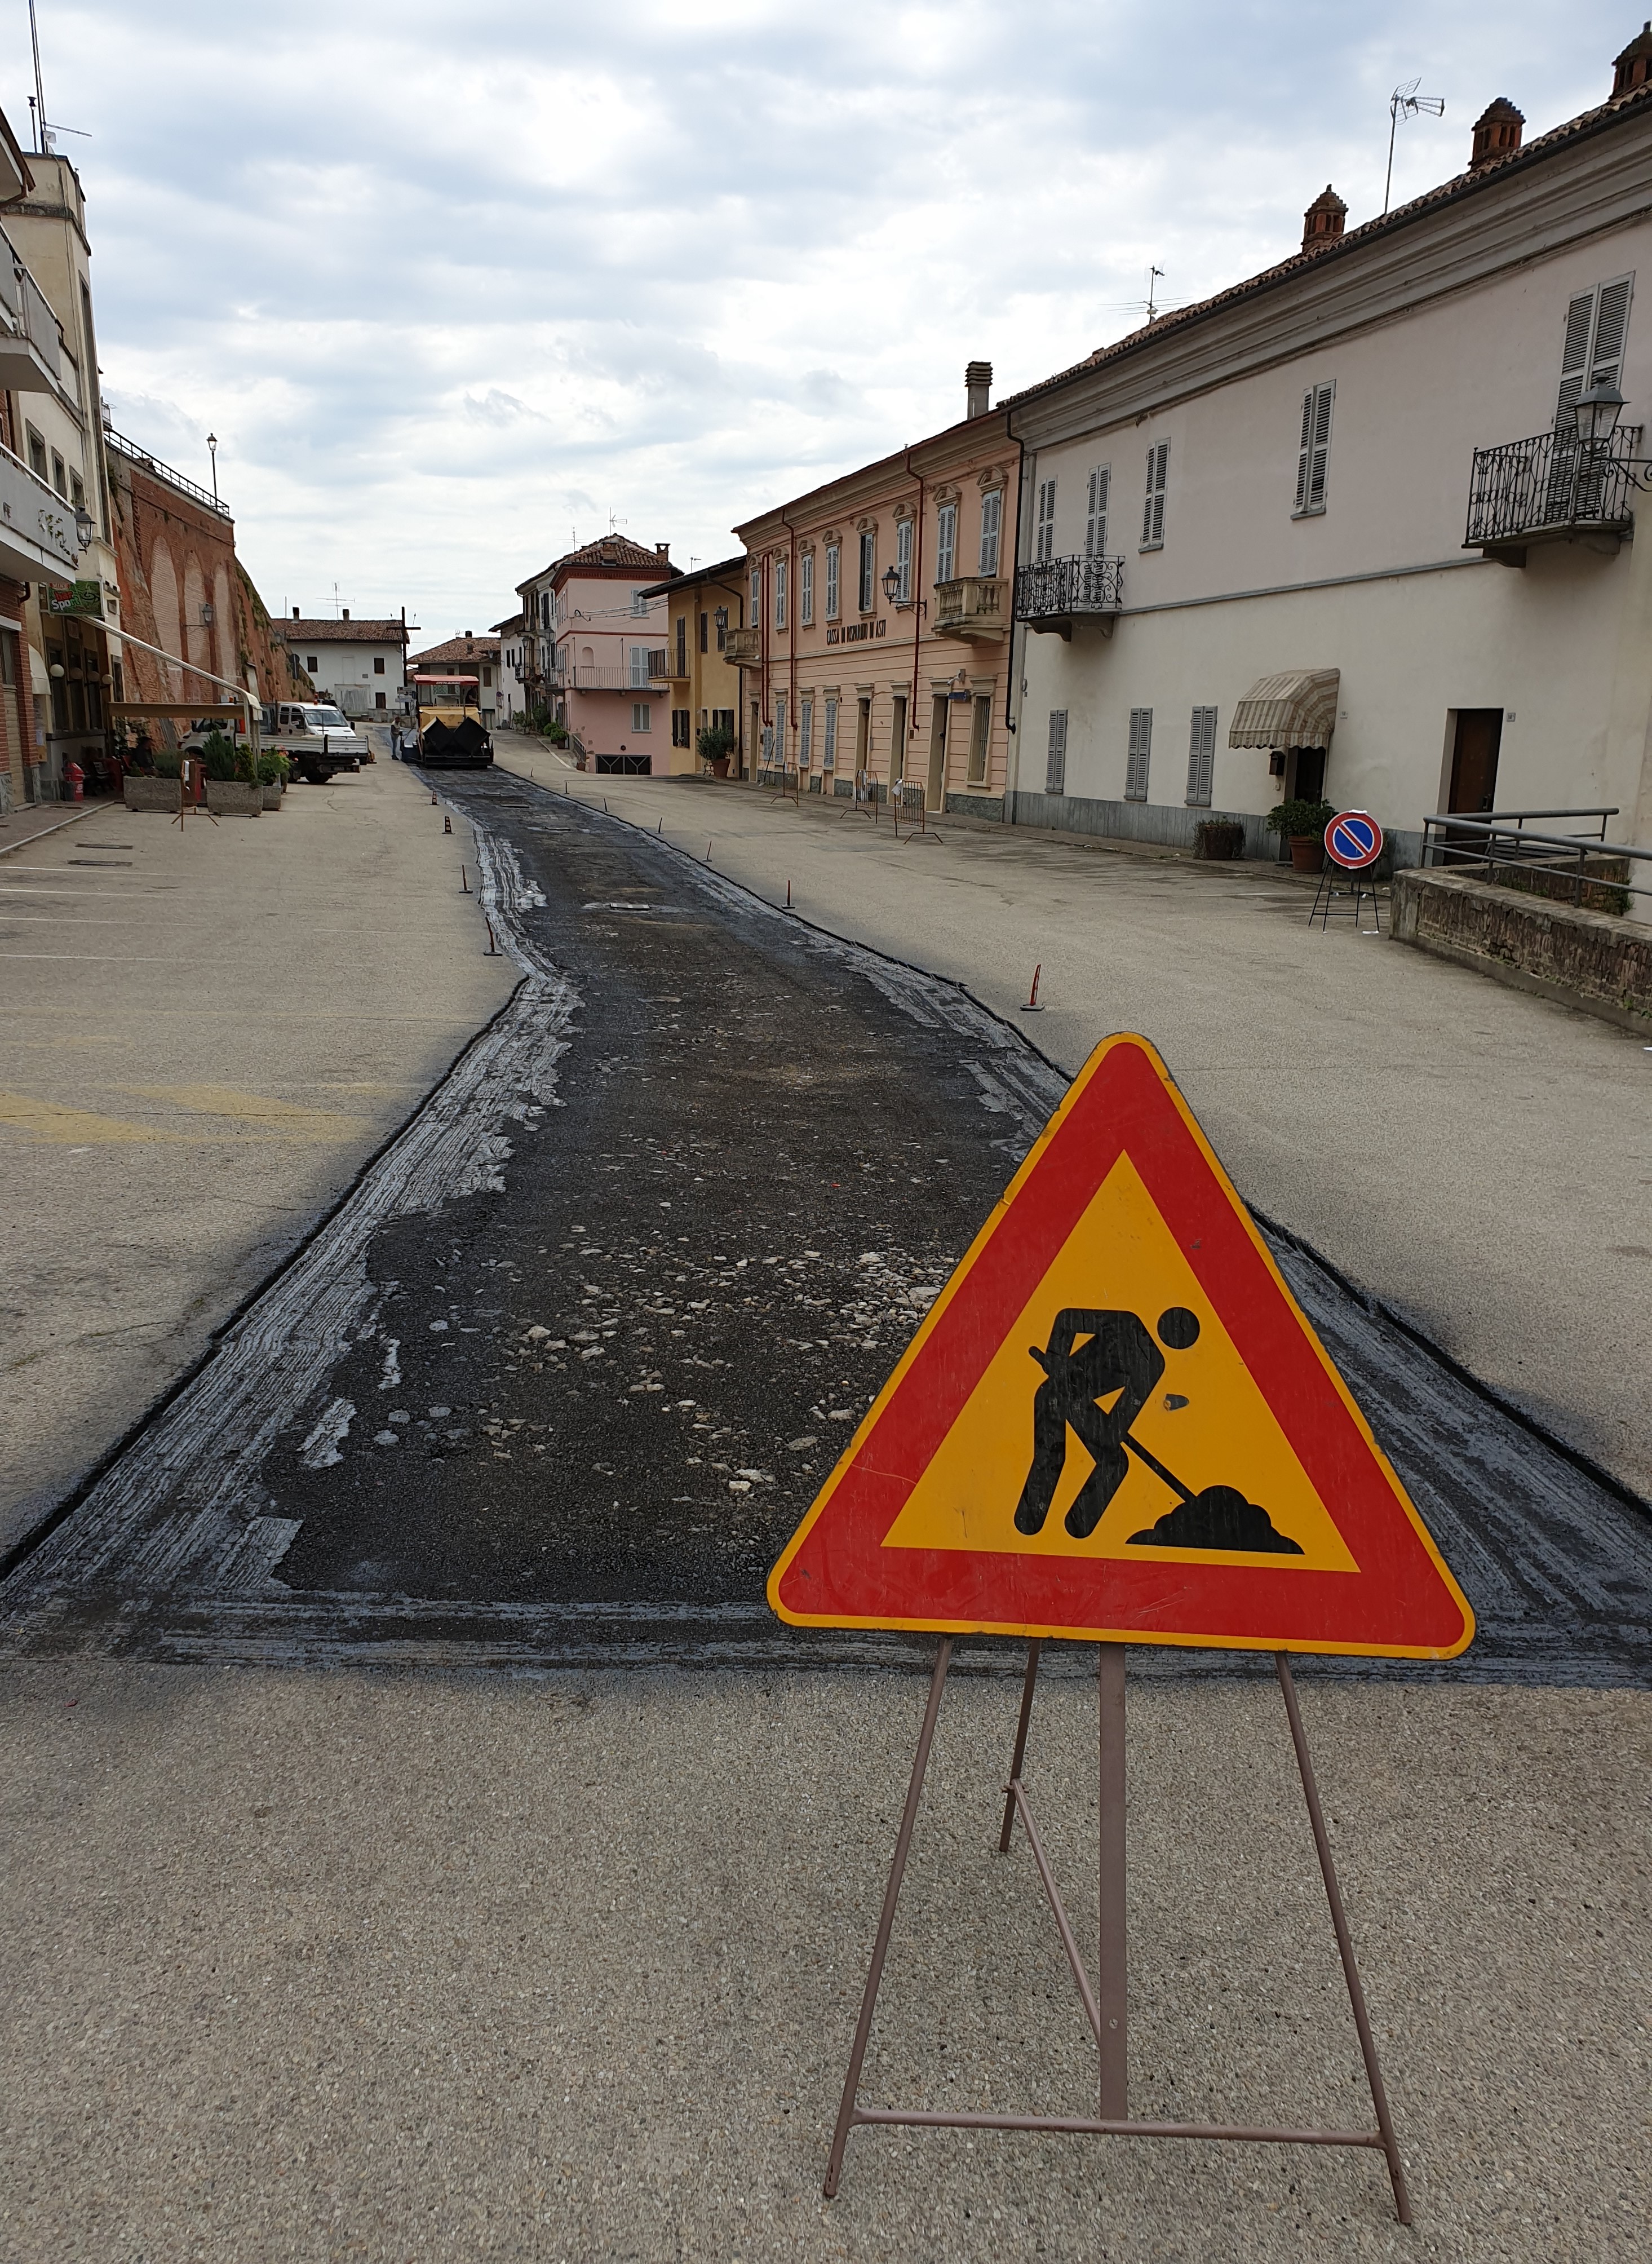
<point x="1296" y="709"/>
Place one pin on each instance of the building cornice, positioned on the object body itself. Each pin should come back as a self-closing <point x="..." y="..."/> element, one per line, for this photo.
<point x="1590" y="187"/>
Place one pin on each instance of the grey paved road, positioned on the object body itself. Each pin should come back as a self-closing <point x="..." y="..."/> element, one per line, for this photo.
<point x="562" y="1373"/>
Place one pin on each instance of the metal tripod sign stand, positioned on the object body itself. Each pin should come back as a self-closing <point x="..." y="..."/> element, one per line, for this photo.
<point x="1107" y="2002"/>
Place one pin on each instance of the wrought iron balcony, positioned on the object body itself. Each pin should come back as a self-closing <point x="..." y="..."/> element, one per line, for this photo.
<point x="1058" y="595"/>
<point x="1549" y="488"/>
<point x="973" y="607"/>
<point x="677" y="669"/>
<point x="743" y="647"/>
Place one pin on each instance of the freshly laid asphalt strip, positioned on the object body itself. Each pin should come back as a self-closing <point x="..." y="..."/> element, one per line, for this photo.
<point x="562" y="1374"/>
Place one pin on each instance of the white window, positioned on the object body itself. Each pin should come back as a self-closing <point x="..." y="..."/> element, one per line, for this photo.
<point x="1201" y="758"/>
<point x="868" y="597"/>
<point x="1314" y="452"/>
<point x="805" y="589"/>
<point x="1135" y="769"/>
<point x="642" y="715"/>
<point x="828" y="747"/>
<point x="834" y="555"/>
<point x="903" y="561"/>
<point x="639" y="604"/>
<point x="1044" y="531"/>
<point x="1153" y="510"/>
<point x="1095" y="511"/>
<point x="991" y="526"/>
<point x="1597" y="324"/>
<point x="804" y="733"/>
<point x="1055" y="758"/>
<point x="779" y="593"/>
<point x="946" y="542"/>
<point x="639" y="668"/>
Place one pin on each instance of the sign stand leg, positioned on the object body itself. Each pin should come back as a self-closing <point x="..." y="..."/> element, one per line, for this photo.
<point x="1344" y="1943"/>
<point x="1112" y="1977"/>
<point x="1032" y="1651"/>
<point x="886" y="1922"/>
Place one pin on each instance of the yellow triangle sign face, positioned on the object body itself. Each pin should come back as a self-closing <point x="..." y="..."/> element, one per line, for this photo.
<point x="1115" y="1422"/>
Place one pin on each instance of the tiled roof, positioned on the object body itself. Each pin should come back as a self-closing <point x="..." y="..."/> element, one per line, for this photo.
<point x="341" y="632"/>
<point x="724" y="572"/>
<point x="617" y="553"/>
<point x="458" y="648"/>
<point x="1605" y="116"/>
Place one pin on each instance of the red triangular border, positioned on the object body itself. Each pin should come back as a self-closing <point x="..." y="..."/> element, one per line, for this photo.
<point x="1403" y="1600"/>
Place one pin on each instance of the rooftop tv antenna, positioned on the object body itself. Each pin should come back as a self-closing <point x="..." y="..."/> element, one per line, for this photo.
<point x="1406" y="102"/>
<point x="1156" y="276"/>
<point x="43" y="132"/>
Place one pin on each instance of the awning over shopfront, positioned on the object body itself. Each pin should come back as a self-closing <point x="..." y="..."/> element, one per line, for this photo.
<point x="1296" y="709"/>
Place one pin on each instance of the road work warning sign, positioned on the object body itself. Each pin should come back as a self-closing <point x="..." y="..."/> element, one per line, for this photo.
<point x="1116" y="1423"/>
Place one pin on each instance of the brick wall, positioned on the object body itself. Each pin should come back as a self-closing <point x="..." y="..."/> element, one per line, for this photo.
<point x="1584" y="959"/>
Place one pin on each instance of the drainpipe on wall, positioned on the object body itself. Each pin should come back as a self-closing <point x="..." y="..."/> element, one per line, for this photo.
<point x="917" y="633"/>
<point x="1010" y="719"/>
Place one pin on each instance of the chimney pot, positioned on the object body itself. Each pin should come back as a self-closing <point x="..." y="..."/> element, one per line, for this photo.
<point x="663" y="549"/>
<point x="1634" y="67"/>
<point x="1497" y="132"/>
<point x="296" y="614"/>
<point x="346" y="613"/>
<point x="977" y="387"/>
<point x="1323" y="221"/>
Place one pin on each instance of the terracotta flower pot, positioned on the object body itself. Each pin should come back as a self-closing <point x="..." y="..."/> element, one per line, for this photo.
<point x="1308" y="853"/>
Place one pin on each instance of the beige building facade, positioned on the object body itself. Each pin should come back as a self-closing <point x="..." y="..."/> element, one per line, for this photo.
<point x="705" y="610"/>
<point x="876" y="650"/>
<point x="1360" y="471"/>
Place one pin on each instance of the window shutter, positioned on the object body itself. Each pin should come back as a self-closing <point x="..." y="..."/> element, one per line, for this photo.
<point x="1055" y="762"/>
<point x="991" y="516"/>
<point x="1096" y="513"/>
<point x="1320" y="458"/>
<point x="1153" y="510"/>
<point x="1580" y="321"/>
<point x="945" y="541"/>
<point x="1201" y="758"/>
<point x="1611" y="322"/>
<point x="1305" y="450"/>
<point x="1045" y="548"/>
<point x="1135" y="777"/>
<point x="829" y="750"/>
<point x="903" y="559"/>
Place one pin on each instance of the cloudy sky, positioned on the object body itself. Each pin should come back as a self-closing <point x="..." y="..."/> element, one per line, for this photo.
<point x="453" y="284"/>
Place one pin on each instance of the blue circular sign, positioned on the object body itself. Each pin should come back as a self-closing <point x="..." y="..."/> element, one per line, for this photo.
<point x="1352" y="839"/>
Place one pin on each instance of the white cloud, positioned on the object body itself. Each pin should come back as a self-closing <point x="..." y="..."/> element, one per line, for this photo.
<point x="451" y="282"/>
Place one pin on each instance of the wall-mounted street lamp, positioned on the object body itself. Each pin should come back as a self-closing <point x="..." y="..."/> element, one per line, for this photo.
<point x="1597" y="413"/>
<point x="892" y="592"/>
<point x="86" y="527"/>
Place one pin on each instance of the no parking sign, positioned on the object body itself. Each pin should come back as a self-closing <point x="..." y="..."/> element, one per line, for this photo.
<point x="1353" y="840"/>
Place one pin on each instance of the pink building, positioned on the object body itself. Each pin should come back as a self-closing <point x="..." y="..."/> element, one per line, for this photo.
<point x="593" y="652"/>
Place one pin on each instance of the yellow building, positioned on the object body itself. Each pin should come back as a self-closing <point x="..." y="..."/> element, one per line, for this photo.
<point x="704" y="612"/>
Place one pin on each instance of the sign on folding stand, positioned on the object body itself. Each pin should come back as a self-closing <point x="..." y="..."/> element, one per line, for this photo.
<point x="1353" y="843"/>
<point x="1116" y="1425"/>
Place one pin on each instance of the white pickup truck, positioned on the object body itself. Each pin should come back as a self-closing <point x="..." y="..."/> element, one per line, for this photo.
<point x="315" y="738"/>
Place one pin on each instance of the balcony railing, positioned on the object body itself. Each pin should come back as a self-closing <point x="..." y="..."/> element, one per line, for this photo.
<point x="972" y="608"/>
<point x="1549" y="488"/>
<point x="743" y="647"/>
<point x="37" y="529"/>
<point x="1057" y="594"/>
<point x="29" y="340"/>
<point x="134" y="454"/>
<point x="593" y="679"/>
<point x="676" y="668"/>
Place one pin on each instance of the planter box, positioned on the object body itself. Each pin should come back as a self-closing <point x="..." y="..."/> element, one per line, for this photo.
<point x="231" y="798"/>
<point x="272" y="797"/>
<point x="1219" y="838"/>
<point x="157" y="795"/>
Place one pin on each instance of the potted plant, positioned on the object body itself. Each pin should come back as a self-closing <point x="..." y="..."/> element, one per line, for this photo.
<point x="716" y="748"/>
<point x="1218" y="838"/>
<point x="1303" y="825"/>
<point x="232" y="791"/>
<point x="274" y="769"/>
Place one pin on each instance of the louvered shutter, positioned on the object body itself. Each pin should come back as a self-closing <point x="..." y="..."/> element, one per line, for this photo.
<point x="1043" y="541"/>
<point x="1611" y="323"/>
<point x="1055" y="761"/>
<point x="1135" y="777"/>
<point x="1305" y="450"/>
<point x="1320" y="454"/>
<point x="1580" y="322"/>
<point x="1096" y="513"/>
<point x="1201" y="758"/>
<point x="1153" y="510"/>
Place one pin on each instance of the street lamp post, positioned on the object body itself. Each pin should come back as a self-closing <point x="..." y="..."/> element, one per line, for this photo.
<point x="212" y="443"/>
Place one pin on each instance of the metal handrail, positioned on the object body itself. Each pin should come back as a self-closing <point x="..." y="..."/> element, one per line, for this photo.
<point x="152" y="463"/>
<point x="1057" y="588"/>
<point x="1457" y="839"/>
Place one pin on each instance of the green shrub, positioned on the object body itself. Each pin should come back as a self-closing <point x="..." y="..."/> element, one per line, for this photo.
<point x="168" y="763"/>
<point x="1298" y="820"/>
<point x="274" y="768"/>
<point x="556" y="732"/>
<point x="714" y="745"/>
<point x="218" y="755"/>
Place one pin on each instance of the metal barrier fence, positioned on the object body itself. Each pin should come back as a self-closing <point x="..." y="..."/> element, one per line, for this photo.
<point x="1594" y="872"/>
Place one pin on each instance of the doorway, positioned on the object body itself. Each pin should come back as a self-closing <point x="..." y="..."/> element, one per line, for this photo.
<point x="863" y="740"/>
<point x="1307" y="774"/>
<point x="1479" y="736"/>
<point x="897" y="741"/>
<point x="937" y="792"/>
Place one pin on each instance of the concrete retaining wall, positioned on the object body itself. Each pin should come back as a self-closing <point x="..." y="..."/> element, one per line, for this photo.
<point x="1591" y="960"/>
